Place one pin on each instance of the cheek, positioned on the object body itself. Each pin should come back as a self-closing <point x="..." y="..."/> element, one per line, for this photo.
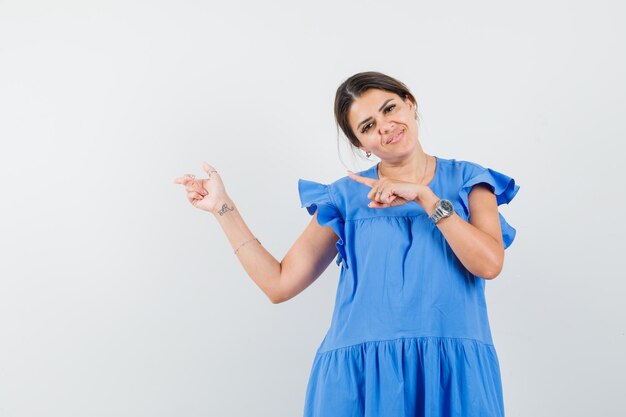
<point x="366" y="138"/>
<point x="408" y="118"/>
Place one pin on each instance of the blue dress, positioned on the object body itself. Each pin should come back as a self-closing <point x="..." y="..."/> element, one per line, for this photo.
<point x="409" y="335"/>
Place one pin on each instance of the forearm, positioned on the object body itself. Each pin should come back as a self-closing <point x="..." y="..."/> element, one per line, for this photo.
<point x="258" y="263"/>
<point x="479" y="252"/>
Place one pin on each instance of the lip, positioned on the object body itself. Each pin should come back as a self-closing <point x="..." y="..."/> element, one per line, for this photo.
<point x="398" y="137"/>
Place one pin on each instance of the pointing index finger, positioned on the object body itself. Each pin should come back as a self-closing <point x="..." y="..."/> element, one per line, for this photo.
<point x="363" y="180"/>
<point x="208" y="167"/>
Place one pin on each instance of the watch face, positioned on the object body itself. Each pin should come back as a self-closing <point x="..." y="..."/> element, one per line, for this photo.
<point x="447" y="205"/>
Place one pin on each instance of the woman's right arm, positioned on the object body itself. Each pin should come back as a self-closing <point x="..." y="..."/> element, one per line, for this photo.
<point x="305" y="261"/>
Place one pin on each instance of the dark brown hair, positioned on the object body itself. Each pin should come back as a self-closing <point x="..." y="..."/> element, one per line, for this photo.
<point x="354" y="87"/>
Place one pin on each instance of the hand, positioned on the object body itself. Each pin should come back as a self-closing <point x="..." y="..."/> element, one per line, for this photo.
<point x="387" y="192"/>
<point x="206" y="194"/>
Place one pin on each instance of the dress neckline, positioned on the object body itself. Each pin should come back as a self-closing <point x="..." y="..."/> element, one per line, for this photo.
<point x="430" y="184"/>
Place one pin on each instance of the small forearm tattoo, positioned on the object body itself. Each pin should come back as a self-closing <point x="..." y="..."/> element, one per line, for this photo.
<point x="225" y="209"/>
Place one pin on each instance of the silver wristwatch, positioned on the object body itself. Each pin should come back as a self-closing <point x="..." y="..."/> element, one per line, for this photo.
<point x="443" y="208"/>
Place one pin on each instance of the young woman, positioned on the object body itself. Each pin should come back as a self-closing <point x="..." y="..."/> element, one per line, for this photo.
<point x="416" y="237"/>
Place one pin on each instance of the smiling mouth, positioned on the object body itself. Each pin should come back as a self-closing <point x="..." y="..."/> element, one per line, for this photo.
<point x="395" y="138"/>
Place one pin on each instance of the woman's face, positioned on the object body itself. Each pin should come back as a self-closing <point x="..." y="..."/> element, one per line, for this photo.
<point x="384" y="123"/>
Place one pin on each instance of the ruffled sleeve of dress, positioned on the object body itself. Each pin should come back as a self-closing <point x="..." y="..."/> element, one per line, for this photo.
<point x="317" y="196"/>
<point x="502" y="186"/>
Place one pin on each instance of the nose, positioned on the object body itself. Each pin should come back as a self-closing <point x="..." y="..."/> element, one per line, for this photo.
<point x="386" y="127"/>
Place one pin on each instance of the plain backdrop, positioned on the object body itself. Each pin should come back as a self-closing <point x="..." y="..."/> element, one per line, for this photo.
<point x="118" y="298"/>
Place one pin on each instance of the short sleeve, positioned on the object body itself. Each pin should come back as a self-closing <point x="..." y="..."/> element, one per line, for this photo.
<point x="316" y="196"/>
<point x="502" y="186"/>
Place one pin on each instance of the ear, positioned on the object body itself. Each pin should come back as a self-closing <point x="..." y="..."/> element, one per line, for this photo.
<point x="409" y="103"/>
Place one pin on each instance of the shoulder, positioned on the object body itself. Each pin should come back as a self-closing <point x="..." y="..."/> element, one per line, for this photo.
<point x="343" y="190"/>
<point x="460" y="168"/>
<point x="472" y="173"/>
<point x="345" y="183"/>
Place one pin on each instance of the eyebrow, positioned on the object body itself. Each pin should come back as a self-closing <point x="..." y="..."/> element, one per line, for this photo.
<point x="370" y="118"/>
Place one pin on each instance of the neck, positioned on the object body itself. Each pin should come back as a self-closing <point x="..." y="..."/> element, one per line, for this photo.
<point x="413" y="169"/>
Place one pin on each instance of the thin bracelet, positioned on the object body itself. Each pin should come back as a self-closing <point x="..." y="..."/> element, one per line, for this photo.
<point x="254" y="238"/>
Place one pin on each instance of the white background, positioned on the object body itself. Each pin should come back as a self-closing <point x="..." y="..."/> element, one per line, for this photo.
<point x="118" y="298"/>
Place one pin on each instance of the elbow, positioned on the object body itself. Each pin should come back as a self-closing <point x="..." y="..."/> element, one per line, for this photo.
<point x="276" y="296"/>
<point x="490" y="274"/>
<point x="275" y="300"/>
<point x="490" y="265"/>
<point x="493" y="268"/>
<point x="279" y="300"/>
<point x="275" y="293"/>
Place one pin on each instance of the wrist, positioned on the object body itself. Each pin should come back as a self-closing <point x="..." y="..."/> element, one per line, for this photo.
<point x="427" y="200"/>
<point x="442" y="210"/>
<point x="224" y="206"/>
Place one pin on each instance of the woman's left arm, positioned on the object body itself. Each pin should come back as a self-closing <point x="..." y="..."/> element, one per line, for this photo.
<point x="478" y="243"/>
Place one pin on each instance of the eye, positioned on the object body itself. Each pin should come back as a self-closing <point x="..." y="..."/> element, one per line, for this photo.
<point x="387" y="110"/>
